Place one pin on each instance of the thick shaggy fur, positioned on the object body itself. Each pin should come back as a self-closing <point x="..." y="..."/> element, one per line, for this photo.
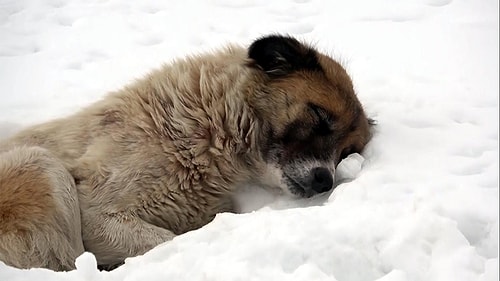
<point x="163" y="155"/>
<point x="38" y="205"/>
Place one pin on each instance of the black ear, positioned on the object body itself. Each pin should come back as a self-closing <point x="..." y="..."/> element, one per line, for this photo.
<point x="280" y="55"/>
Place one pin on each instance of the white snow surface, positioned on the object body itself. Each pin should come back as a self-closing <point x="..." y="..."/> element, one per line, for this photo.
<point x="422" y="201"/>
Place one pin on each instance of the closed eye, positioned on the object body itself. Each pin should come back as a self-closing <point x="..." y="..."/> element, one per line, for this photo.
<point x="325" y="123"/>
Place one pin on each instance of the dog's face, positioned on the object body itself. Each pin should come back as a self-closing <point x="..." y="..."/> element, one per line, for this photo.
<point x="311" y="114"/>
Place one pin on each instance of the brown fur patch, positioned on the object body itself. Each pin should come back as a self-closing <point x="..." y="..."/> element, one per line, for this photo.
<point x="25" y="194"/>
<point x="331" y="91"/>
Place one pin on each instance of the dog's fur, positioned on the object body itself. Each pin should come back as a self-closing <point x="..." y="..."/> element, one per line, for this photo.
<point x="163" y="155"/>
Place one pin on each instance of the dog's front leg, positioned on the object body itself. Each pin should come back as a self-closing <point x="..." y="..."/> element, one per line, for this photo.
<point x="114" y="237"/>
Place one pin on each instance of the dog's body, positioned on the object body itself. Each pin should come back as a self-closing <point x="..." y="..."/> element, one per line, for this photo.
<point x="164" y="155"/>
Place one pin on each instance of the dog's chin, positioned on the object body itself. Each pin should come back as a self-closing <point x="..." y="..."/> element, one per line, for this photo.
<point x="295" y="189"/>
<point x="277" y="180"/>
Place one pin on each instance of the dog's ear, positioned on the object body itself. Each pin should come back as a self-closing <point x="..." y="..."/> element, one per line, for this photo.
<point x="280" y="55"/>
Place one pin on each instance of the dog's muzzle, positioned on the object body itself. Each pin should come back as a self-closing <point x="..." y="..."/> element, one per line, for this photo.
<point x="314" y="181"/>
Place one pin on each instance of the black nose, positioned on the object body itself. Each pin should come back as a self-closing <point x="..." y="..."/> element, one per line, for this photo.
<point x="322" y="179"/>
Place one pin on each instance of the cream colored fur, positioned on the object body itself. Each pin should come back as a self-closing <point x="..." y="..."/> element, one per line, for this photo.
<point x="165" y="154"/>
<point x="155" y="159"/>
<point x="39" y="212"/>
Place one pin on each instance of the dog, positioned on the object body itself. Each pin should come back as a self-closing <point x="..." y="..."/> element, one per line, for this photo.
<point x="163" y="155"/>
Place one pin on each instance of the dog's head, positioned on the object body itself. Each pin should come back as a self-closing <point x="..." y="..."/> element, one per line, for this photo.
<point x="312" y="116"/>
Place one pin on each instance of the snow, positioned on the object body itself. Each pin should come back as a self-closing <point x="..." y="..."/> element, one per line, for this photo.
<point x="422" y="201"/>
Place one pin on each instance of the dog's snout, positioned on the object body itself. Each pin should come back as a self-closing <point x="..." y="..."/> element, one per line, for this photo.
<point x="322" y="179"/>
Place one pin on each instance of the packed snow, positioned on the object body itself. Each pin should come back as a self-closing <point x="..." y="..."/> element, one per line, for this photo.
<point x="420" y="203"/>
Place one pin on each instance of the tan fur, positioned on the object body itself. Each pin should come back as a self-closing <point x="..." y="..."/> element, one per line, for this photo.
<point x="153" y="160"/>
<point x="39" y="213"/>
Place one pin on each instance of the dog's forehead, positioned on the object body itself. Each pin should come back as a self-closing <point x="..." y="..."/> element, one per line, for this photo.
<point x="334" y="94"/>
